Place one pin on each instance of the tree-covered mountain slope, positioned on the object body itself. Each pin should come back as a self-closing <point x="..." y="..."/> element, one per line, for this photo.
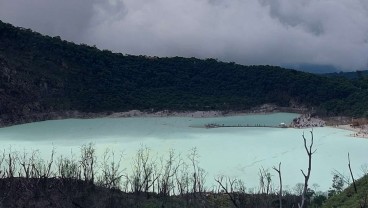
<point x="41" y="74"/>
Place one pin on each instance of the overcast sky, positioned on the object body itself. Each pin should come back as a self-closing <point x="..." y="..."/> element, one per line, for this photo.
<point x="277" y="32"/>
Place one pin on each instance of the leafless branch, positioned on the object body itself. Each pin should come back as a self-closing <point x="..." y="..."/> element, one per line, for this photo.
<point x="310" y="152"/>
<point x="278" y="170"/>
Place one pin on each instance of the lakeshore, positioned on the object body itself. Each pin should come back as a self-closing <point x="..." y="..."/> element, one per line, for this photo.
<point x="235" y="152"/>
<point x="10" y="120"/>
<point x="304" y="120"/>
<point x="359" y="132"/>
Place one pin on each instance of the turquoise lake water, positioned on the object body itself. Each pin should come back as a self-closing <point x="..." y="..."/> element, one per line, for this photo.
<point x="236" y="152"/>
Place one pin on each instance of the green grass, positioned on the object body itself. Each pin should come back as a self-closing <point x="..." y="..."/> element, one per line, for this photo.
<point x="348" y="198"/>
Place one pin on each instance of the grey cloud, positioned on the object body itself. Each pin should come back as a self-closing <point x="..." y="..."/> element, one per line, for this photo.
<point x="245" y="31"/>
<point x="293" y="14"/>
<point x="67" y="18"/>
<point x="108" y="11"/>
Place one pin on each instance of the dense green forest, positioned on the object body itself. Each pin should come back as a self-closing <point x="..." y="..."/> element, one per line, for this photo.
<point x="46" y="74"/>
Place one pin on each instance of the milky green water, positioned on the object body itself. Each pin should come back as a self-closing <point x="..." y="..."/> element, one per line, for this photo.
<point x="236" y="152"/>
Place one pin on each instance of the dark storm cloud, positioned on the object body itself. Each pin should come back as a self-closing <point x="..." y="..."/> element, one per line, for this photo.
<point x="66" y="18"/>
<point x="245" y="31"/>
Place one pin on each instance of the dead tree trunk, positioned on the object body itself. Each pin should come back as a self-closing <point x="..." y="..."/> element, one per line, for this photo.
<point x="364" y="202"/>
<point x="351" y="173"/>
<point x="280" y="191"/>
<point x="309" y="151"/>
<point x="224" y="187"/>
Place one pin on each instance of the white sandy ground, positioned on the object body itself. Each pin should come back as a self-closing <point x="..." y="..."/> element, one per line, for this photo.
<point x="166" y="113"/>
<point x="360" y="132"/>
<point x="194" y="114"/>
<point x="304" y="121"/>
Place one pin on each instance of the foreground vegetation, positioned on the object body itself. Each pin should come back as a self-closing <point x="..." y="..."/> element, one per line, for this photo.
<point x="26" y="180"/>
<point x="350" y="197"/>
<point x="41" y="75"/>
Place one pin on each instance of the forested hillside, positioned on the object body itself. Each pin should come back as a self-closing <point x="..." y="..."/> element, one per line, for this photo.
<point x="351" y="197"/>
<point x="41" y="74"/>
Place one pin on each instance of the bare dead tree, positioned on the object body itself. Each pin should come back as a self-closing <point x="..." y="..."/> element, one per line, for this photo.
<point x="135" y="179"/>
<point x="2" y="158"/>
<point x="88" y="162"/>
<point x="183" y="182"/>
<point x="261" y="182"/>
<point x="145" y="172"/>
<point x="150" y="172"/>
<point x="144" y="157"/>
<point x="298" y="189"/>
<point x="198" y="174"/>
<point x="310" y="152"/>
<point x="45" y="167"/>
<point x="362" y="203"/>
<point x="68" y="168"/>
<point x="224" y="186"/>
<point x="265" y="179"/>
<point x="201" y="179"/>
<point x="27" y="164"/>
<point x="193" y="157"/>
<point x="344" y="178"/>
<point x="11" y="164"/>
<point x="234" y="189"/>
<point x="182" y="179"/>
<point x="156" y="174"/>
<point x="111" y="173"/>
<point x="278" y="170"/>
<point x="5" y="173"/>
<point x="265" y="186"/>
<point x="351" y="173"/>
<point x="170" y="168"/>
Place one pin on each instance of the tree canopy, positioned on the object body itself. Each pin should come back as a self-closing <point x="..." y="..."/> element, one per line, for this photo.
<point x="47" y="73"/>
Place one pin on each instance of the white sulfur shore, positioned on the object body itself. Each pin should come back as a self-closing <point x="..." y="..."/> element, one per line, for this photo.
<point x="166" y="113"/>
<point x="194" y="114"/>
<point x="263" y="109"/>
<point x="304" y="121"/>
<point x="361" y="132"/>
